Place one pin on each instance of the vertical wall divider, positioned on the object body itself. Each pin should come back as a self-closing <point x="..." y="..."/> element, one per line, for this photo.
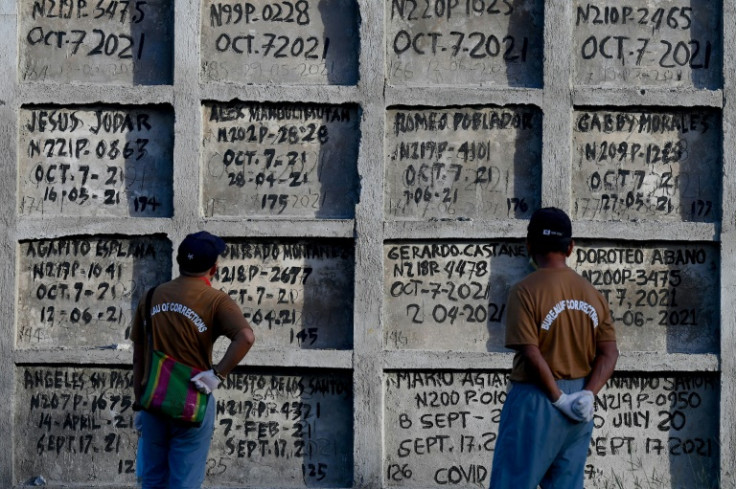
<point x="557" y="105"/>
<point x="368" y="401"/>
<point x="9" y="105"/>
<point x="188" y="124"/>
<point x="727" y="426"/>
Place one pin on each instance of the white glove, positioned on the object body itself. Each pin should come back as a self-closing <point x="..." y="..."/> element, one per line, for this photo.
<point x="583" y="404"/>
<point x="206" y="381"/>
<point x="565" y="403"/>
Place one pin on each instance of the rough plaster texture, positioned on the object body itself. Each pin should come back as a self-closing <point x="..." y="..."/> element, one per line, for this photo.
<point x="279" y="428"/>
<point x="689" y="425"/>
<point x="82" y="291"/>
<point x="650" y="43"/>
<point x="294" y="42"/>
<point x="84" y="41"/>
<point x="280" y="160"/>
<point x="98" y="161"/>
<point x="476" y="163"/>
<point x="655" y="164"/>
<point x="298" y="294"/>
<point x="449" y="295"/>
<point x="443" y="428"/>
<point x="80" y="421"/>
<point x="458" y="42"/>
<point x="662" y="295"/>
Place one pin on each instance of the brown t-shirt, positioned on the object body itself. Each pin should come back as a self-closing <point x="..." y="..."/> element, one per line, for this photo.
<point x="560" y="312"/>
<point x="188" y="316"/>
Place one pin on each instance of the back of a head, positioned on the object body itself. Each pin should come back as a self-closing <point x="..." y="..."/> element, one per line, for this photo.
<point x="549" y="231"/>
<point x="198" y="252"/>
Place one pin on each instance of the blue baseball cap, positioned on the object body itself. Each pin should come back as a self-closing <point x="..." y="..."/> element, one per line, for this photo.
<point x="198" y="252"/>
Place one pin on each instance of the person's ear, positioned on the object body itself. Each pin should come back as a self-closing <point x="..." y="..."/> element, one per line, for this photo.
<point x="570" y="247"/>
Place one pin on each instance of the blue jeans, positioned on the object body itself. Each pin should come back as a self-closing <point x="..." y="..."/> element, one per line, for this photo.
<point x="174" y="456"/>
<point x="537" y="444"/>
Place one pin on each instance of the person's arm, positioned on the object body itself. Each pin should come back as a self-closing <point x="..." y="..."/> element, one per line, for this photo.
<point x="239" y="346"/>
<point x="603" y="366"/>
<point x="539" y="368"/>
<point x="241" y="338"/>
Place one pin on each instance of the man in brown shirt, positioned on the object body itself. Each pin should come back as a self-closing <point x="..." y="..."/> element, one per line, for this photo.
<point x="562" y="331"/>
<point x="187" y="316"/>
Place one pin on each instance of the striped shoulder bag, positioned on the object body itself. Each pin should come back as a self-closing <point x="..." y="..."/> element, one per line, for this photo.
<point x="169" y="390"/>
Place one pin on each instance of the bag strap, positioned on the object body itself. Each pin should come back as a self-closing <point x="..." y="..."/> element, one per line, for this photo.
<point x="147" y="323"/>
<point x="148" y="328"/>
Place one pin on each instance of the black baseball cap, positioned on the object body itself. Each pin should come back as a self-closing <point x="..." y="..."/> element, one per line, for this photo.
<point x="199" y="251"/>
<point x="549" y="225"/>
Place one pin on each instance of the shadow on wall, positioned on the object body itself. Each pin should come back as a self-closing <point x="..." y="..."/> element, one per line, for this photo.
<point x="327" y="313"/>
<point x="155" y="67"/>
<point x="525" y="36"/>
<point x="669" y="440"/>
<point x="153" y="44"/>
<point x="146" y="179"/>
<point x="337" y="168"/>
<point x="326" y="432"/>
<point x="505" y="272"/>
<point x="527" y="170"/>
<point x="294" y="428"/>
<point x="144" y="276"/>
<point x="704" y="49"/>
<point x="699" y="155"/>
<point x="691" y="316"/>
<point x="526" y="198"/>
<point x="341" y="19"/>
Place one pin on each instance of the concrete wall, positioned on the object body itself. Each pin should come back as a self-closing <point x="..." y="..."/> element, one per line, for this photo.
<point x="371" y="166"/>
